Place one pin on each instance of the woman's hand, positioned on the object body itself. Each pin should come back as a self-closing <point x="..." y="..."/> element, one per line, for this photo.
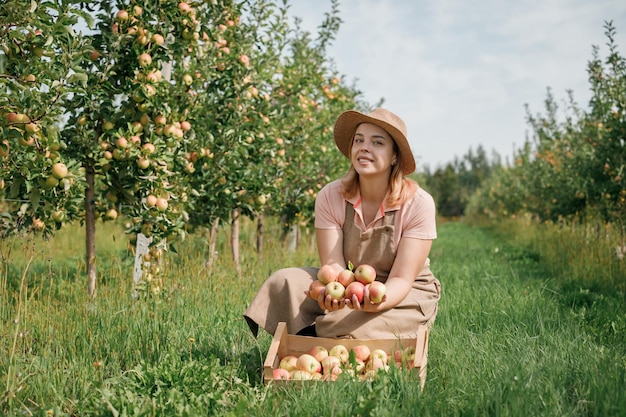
<point x="367" y="305"/>
<point x="326" y="302"/>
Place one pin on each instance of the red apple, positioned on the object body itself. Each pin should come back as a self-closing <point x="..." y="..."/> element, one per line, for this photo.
<point x="377" y="291"/>
<point x="281" y="374"/>
<point x="346" y="277"/>
<point x="122" y="15"/>
<point x="308" y="363"/>
<point x="315" y="289"/>
<point x="318" y="352"/>
<point x="331" y="365"/>
<point x="335" y="290"/>
<point x="365" y="273"/>
<point x="361" y="352"/>
<point x="326" y="274"/>
<point x="355" y="289"/>
<point x="288" y="363"/>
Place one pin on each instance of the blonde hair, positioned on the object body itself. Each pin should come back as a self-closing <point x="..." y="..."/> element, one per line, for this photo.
<point x="401" y="188"/>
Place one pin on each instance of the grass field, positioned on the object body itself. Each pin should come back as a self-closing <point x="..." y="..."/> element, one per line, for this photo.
<point x="513" y="337"/>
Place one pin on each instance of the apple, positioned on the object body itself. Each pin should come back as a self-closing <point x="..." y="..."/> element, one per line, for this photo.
<point x="346" y="277"/>
<point x="361" y="352"/>
<point x="151" y="200"/>
<point x="339" y="351"/>
<point x="122" y="15"/>
<point x="335" y="290"/>
<point x="308" y="363"/>
<point x="300" y="375"/>
<point x="59" y="170"/>
<point x="374" y="364"/>
<point x="158" y="39"/>
<point x="26" y="140"/>
<point x="365" y="274"/>
<point x="288" y="363"/>
<point x="318" y="352"/>
<point x="38" y="224"/>
<point x="244" y="60"/>
<point x="184" y="7"/>
<point x="161" y="204"/>
<point x="326" y="274"/>
<point x="331" y="365"/>
<point x="377" y="291"/>
<point x="355" y="289"/>
<point x="144" y="59"/>
<point x="51" y="182"/>
<point x="160" y="120"/>
<point x="149" y="148"/>
<point x="111" y="214"/>
<point x="379" y="354"/>
<point x="143" y="163"/>
<point x="31" y="127"/>
<point x="280" y="373"/>
<point x="58" y="216"/>
<point x="315" y="289"/>
<point x="405" y="356"/>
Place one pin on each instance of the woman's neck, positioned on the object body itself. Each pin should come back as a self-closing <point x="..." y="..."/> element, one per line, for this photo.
<point x="373" y="190"/>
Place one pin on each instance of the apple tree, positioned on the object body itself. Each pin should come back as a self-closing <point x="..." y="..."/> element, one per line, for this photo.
<point x="40" y="184"/>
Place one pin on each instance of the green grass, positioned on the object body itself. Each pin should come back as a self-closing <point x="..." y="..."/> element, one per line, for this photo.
<point x="512" y="338"/>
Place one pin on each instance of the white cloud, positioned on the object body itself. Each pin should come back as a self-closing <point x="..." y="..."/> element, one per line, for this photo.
<point x="460" y="72"/>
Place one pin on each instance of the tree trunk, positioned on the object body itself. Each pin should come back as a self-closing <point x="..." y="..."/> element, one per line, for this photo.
<point x="90" y="230"/>
<point x="234" y="239"/>
<point x="293" y="237"/>
<point x="259" y="236"/>
<point x="212" y="255"/>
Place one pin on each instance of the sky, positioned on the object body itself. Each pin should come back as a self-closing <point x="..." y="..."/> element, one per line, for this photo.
<point x="460" y="72"/>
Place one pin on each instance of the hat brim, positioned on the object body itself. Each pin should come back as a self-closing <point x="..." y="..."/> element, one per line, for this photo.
<point x="346" y="125"/>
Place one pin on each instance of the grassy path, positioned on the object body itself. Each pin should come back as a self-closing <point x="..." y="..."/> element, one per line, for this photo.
<point x="509" y="341"/>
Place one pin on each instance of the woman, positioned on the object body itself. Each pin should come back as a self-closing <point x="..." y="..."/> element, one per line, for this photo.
<point x="373" y="215"/>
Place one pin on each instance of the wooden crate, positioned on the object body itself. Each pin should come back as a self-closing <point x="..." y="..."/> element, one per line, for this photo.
<point x="287" y="344"/>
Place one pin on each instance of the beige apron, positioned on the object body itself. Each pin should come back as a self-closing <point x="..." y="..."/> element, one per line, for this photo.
<point x="282" y="297"/>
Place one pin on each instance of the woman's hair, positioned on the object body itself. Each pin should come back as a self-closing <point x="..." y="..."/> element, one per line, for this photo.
<point x="401" y="189"/>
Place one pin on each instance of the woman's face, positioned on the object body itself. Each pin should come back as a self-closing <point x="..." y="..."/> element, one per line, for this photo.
<point x="372" y="150"/>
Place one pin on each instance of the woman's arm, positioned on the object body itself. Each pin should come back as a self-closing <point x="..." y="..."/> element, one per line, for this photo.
<point x="330" y="249"/>
<point x="410" y="259"/>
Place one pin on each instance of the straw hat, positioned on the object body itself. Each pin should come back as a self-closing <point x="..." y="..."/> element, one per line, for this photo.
<point x="347" y="122"/>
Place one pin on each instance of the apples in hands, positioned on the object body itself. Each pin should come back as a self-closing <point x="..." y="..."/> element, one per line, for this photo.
<point x="355" y="289"/>
<point x="335" y="290"/>
<point x="315" y="289"/>
<point x="377" y="291"/>
<point x="326" y="274"/>
<point x="346" y="277"/>
<point x="365" y="274"/>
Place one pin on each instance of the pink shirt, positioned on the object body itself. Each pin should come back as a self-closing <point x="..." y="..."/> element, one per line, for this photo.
<point x="414" y="219"/>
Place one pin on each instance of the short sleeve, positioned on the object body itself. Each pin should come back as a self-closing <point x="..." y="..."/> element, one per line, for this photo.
<point x="330" y="207"/>
<point x="420" y="217"/>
